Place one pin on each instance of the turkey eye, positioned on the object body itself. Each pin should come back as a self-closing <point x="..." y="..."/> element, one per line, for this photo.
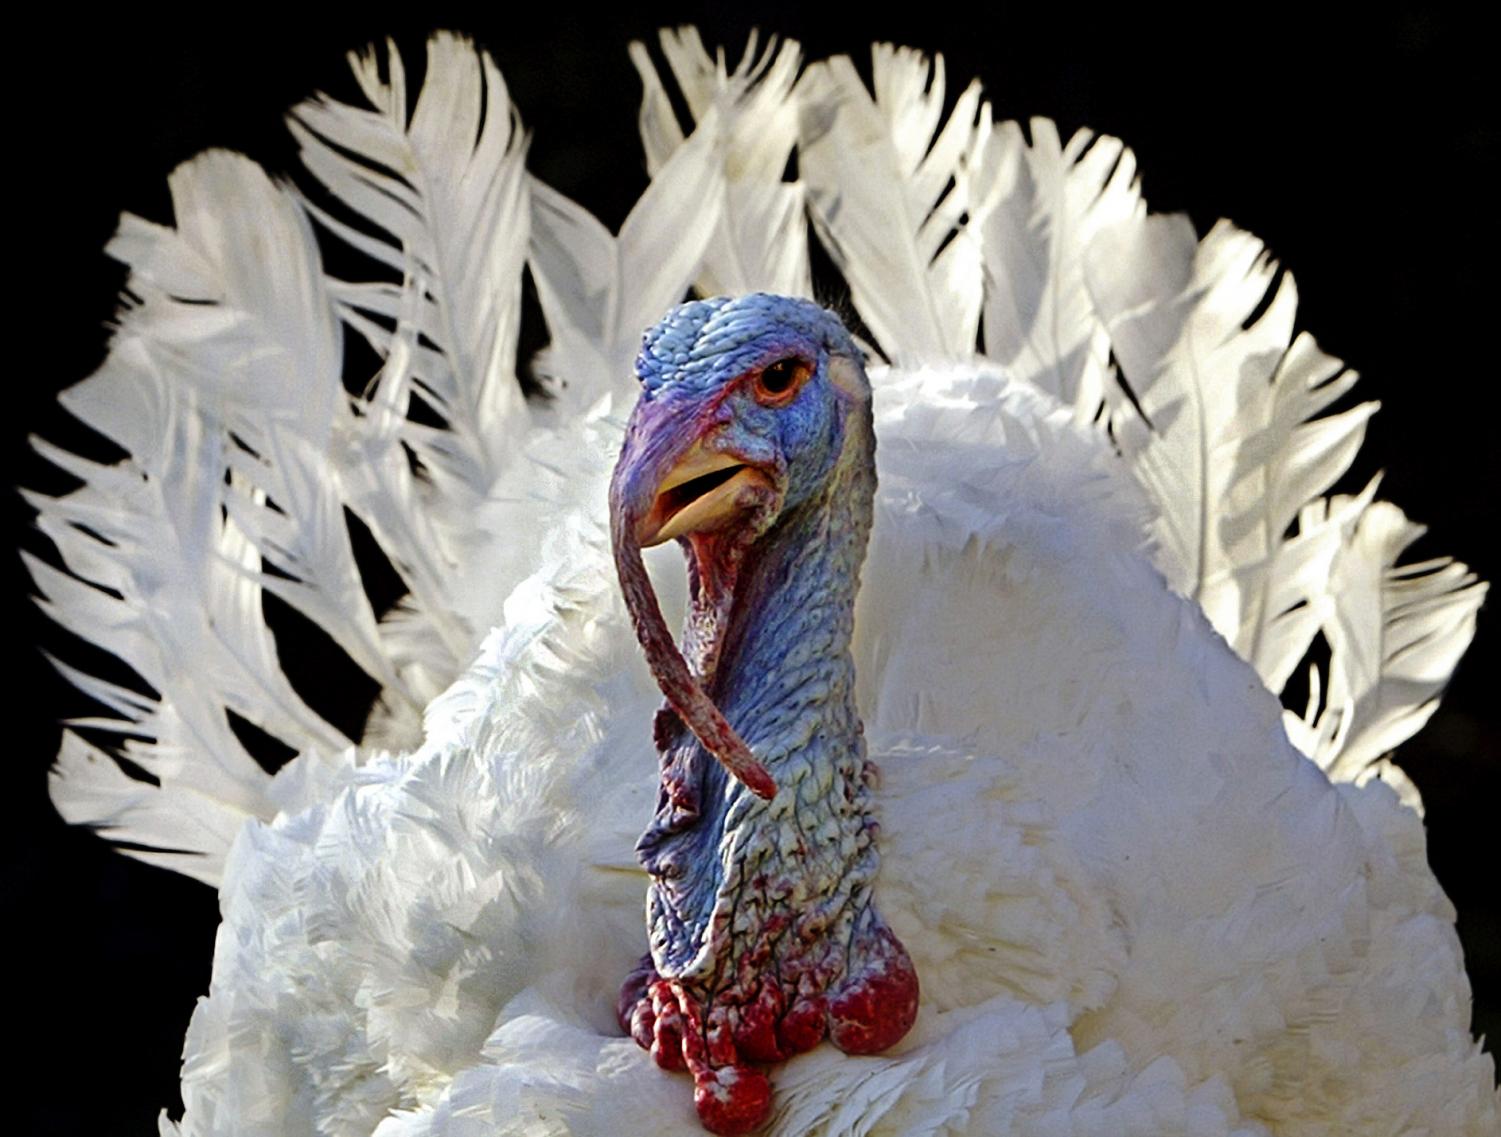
<point x="777" y="382"/>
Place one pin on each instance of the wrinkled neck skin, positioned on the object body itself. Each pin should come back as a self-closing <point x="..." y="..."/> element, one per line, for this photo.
<point x="768" y="636"/>
<point x="764" y="937"/>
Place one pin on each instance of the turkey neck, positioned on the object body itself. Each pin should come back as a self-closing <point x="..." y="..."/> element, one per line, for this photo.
<point x="768" y="635"/>
<point x="784" y="638"/>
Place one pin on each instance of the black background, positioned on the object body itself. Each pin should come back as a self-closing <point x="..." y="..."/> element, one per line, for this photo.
<point x="1363" y="153"/>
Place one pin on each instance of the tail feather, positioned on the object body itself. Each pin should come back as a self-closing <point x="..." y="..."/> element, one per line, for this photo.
<point x="1051" y="202"/>
<point x="890" y="196"/>
<point x="1395" y="632"/>
<point x="447" y="188"/>
<point x="761" y="242"/>
<point x="599" y="291"/>
<point x="189" y="831"/>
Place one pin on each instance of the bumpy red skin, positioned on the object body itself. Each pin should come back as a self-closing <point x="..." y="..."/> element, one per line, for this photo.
<point x="779" y="1013"/>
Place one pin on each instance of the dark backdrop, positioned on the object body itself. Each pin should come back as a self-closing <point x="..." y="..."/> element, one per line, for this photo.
<point x="1364" y="154"/>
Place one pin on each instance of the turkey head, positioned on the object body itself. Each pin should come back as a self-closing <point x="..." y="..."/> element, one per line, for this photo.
<point x="752" y="446"/>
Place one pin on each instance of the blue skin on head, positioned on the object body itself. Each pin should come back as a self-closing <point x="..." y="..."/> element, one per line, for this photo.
<point x="692" y="356"/>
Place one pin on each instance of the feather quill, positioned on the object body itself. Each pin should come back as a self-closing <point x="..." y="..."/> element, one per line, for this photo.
<point x="889" y="192"/>
<point x="1051" y="203"/>
<point x="761" y="242"/>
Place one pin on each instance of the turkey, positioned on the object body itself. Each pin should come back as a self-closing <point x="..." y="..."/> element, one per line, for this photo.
<point x="1131" y="903"/>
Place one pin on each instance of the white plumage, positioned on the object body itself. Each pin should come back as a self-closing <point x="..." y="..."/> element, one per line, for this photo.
<point x="1134" y="905"/>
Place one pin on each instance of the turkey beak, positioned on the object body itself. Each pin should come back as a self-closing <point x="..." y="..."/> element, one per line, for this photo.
<point x="704" y="490"/>
<point x="666" y="484"/>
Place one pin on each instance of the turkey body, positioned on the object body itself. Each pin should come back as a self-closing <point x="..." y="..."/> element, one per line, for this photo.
<point x="1142" y="910"/>
<point x="1160" y="917"/>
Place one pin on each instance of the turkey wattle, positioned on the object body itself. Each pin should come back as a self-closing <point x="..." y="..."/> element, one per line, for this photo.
<point x="753" y="444"/>
<point x="1142" y="898"/>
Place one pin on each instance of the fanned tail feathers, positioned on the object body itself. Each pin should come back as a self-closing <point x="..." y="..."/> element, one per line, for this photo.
<point x="199" y="389"/>
<point x="957" y="237"/>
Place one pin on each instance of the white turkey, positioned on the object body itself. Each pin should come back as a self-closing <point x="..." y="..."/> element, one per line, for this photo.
<point x="1131" y="904"/>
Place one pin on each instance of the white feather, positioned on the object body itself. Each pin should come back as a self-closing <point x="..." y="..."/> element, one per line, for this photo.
<point x="888" y="189"/>
<point x="598" y="292"/>
<point x="1395" y="634"/>
<point x="761" y="242"/>
<point x="1052" y="203"/>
